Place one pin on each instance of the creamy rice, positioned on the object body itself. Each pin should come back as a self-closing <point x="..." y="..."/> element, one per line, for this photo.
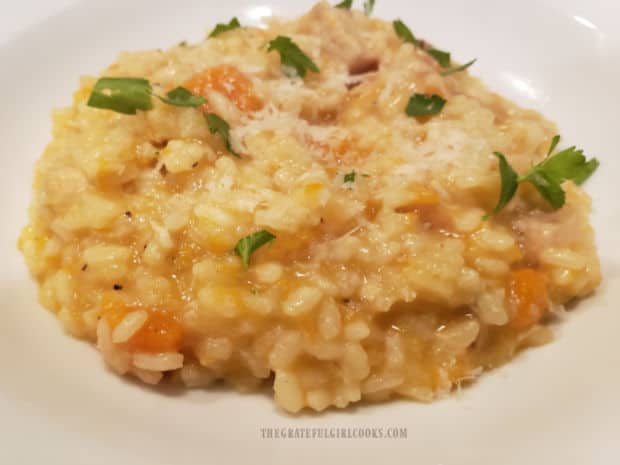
<point x="391" y="285"/>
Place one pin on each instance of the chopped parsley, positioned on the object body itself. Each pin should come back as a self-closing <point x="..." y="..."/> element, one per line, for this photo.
<point x="554" y="143"/>
<point x="345" y="4"/>
<point x="350" y="177"/>
<point x="369" y="5"/>
<point x="424" y="105"/>
<point x="442" y="57"/>
<point x="457" y="69"/>
<point x="402" y="31"/>
<point x="547" y="176"/>
<point x="510" y="181"/>
<point x="220" y="28"/>
<point x="122" y="95"/>
<point x="181" y="97"/>
<point x="128" y="95"/>
<point x="445" y="61"/>
<point x="218" y="126"/>
<point x="291" y="56"/>
<point x="249" y="244"/>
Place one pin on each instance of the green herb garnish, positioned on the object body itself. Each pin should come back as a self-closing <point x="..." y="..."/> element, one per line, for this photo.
<point x="291" y="55"/>
<point x="249" y="244"/>
<point x="345" y="4"/>
<point x="458" y="69"/>
<point x="218" y="126"/>
<point x="127" y="95"/>
<point x="510" y="181"/>
<point x="123" y="95"/>
<point x="554" y="143"/>
<point x="181" y="97"/>
<point x="547" y="176"/>
<point x="445" y="61"/>
<point x="220" y="28"/>
<point x="441" y="57"/>
<point x="404" y="33"/>
<point x="369" y="5"/>
<point x="425" y="105"/>
<point x="350" y="177"/>
<point x="585" y="171"/>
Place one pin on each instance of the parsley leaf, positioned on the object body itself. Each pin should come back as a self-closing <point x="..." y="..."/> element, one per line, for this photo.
<point x="350" y="177"/>
<point x="424" y="105"/>
<point x="249" y="244"/>
<point x="218" y="126"/>
<point x="292" y="56"/>
<point x="586" y="170"/>
<point x="123" y="95"/>
<point x="345" y="4"/>
<point x="569" y="164"/>
<point x="554" y="143"/>
<point x="369" y="5"/>
<point x="441" y="57"/>
<point x="220" y="28"/>
<point x="547" y="176"/>
<point x="510" y="181"/>
<point x="550" y="189"/>
<point x="458" y="69"/>
<point x="444" y="59"/>
<point x="181" y="97"/>
<point x="563" y="165"/>
<point x="127" y="95"/>
<point x="404" y="32"/>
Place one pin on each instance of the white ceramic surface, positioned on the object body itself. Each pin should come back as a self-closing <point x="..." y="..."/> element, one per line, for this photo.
<point x="554" y="405"/>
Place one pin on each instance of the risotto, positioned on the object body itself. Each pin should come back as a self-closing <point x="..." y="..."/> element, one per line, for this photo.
<point x="327" y="205"/>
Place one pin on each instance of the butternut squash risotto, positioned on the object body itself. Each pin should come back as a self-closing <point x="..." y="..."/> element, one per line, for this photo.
<point x="328" y="205"/>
